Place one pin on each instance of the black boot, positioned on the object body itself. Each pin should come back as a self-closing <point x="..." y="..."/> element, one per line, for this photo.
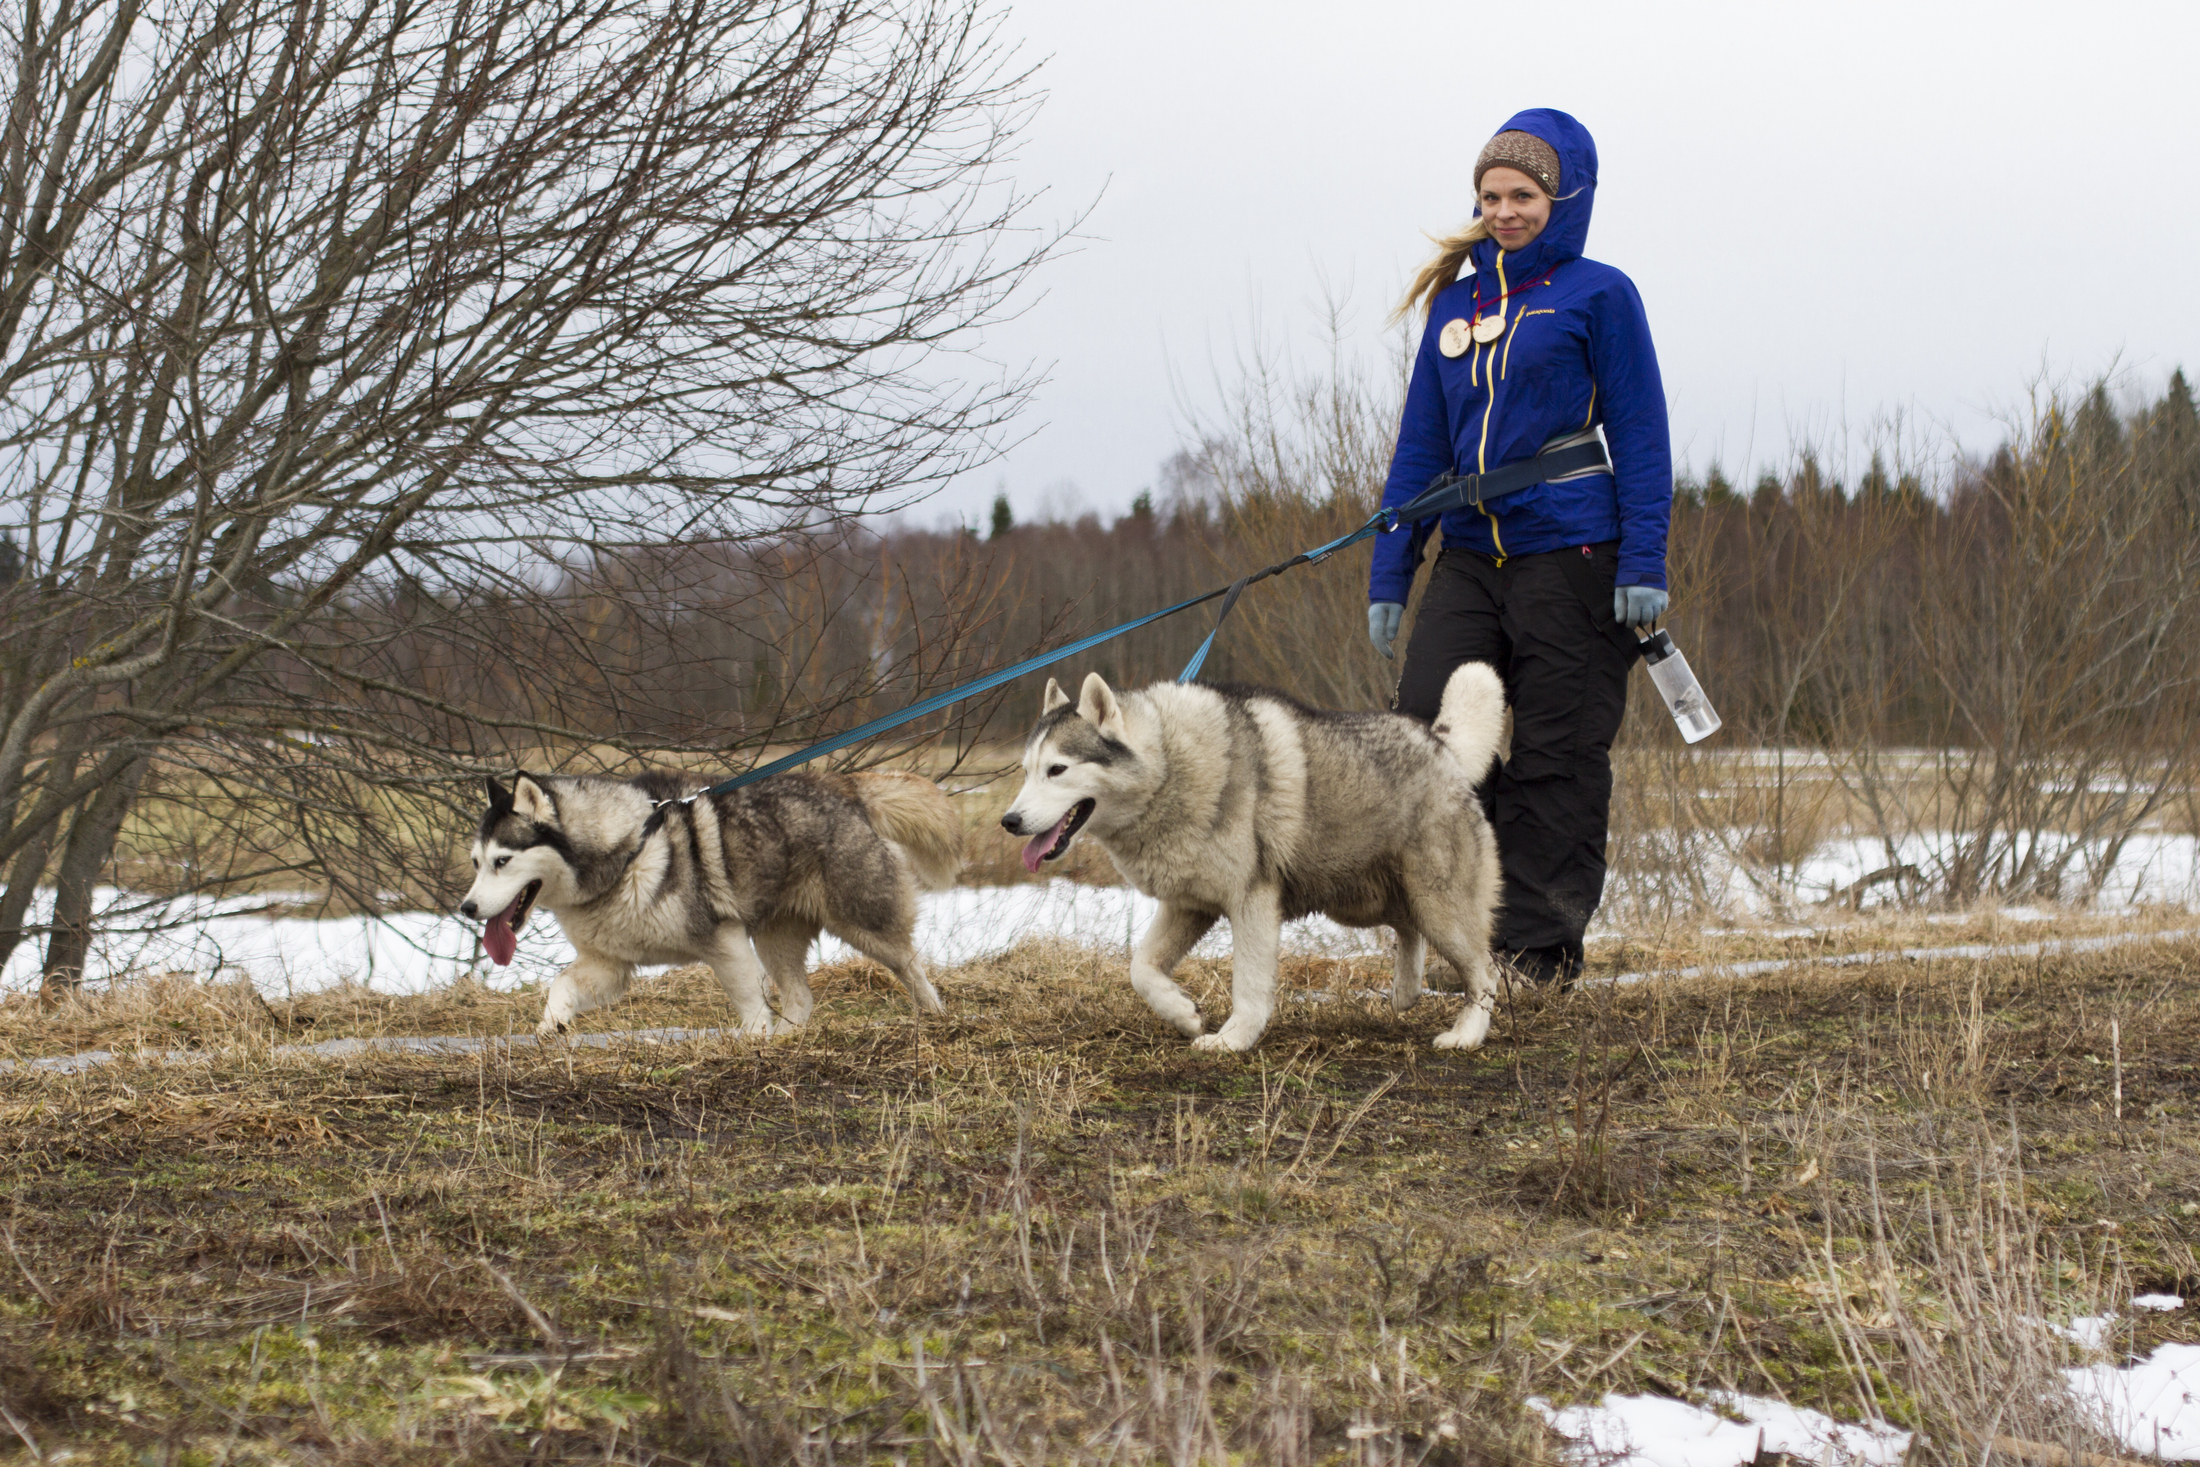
<point x="1554" y="966"/>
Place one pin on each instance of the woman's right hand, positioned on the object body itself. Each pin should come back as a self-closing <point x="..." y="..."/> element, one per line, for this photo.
<point x="1383" y="618"/>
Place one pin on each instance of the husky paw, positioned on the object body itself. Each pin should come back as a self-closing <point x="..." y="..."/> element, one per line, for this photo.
<point x="1403" y="998"/>
<point x="1473" y="1027"/>
<point x="783" y="1027"/>
<point x="1227" y="1041"/>
<point x="549" y="1028"/>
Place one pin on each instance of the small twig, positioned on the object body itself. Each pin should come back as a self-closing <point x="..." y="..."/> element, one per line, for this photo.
<point x="535" y="1317"/>
<point x="2116" y="1049"/>
<point x="43" y="1292"/>
<point x="38" y="1454"/>
<point x="2043" y="1454"/>
<point x="1614" y="1358"/>
<point x="387" y="1241"/>
<point x="1345" y="1131"/>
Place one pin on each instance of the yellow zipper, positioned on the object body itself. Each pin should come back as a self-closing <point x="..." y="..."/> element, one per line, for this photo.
<point x="1506" y="369"/>
<point x="1482" y="449"/>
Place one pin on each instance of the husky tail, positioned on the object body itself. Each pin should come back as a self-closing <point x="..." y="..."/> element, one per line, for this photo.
<point x="1471" y="719"/>
<point x="916" y="815"/>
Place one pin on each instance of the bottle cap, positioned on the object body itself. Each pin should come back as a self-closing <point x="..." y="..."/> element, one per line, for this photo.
<point x="1657" y="646"/>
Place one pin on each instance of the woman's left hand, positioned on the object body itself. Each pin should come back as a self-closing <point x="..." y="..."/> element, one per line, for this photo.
<point x="1637" y="606"/>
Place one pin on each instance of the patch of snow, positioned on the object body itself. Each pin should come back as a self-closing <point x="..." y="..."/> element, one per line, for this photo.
<point x="1652" y="1431"/>
<point x="403" y="952"/>
<point x="2151" y="1406"/>
<point x="1967" y="951"/>
<point x="2160" y="1303"/>
<point x="414" y="952"/>
<point x="2149" y="869"/>
<point x="2087" y="1331"/>
<point x="1765" y="932"/>
<point x="971" y="922"/>
<point x="2006" y="914"/>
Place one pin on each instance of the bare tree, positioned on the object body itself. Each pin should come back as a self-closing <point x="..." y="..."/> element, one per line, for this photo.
<point x="2059" y="612"/>
<point x="1297" y="458"/>
<point x="309" y="306"/>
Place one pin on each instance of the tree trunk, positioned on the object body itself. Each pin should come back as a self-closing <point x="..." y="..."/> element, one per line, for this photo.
<point x="30" y="861"/>
<point x="15" y="902"/>
<point x="91" y="841"/>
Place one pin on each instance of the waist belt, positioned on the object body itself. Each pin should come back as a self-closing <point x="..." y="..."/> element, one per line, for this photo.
<point x="1579" y="453"/>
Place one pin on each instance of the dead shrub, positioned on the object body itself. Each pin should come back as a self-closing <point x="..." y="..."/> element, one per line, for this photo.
<point x="424" y="1296"/>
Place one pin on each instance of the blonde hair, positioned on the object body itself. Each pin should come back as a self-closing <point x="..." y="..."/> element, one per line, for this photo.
<point x="1451" y="253"/>
<point x="1441" y="270"/>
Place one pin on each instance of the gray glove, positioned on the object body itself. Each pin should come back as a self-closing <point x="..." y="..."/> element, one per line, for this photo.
<point x="1383" y="618"/>
<point x="1637" y="606"/>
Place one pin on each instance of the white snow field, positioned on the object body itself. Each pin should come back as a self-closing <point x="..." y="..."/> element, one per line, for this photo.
<point x="410" y="952"/>
<point x="1651" y="1431"/>
<point x="2152" y="869"/>
<point x="2152" y="1406"/>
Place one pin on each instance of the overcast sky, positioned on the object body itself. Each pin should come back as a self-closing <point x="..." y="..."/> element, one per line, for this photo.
<point x="1832" y="212"/>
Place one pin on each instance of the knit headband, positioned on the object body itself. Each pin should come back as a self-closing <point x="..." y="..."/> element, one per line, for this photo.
<point x="1524" y="151"/>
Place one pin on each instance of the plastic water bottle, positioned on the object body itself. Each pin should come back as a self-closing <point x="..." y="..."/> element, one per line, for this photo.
<point x="1683" y="695"/>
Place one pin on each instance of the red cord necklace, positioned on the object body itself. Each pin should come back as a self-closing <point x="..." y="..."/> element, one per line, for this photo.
<point x="1484" y="329"/>
<point x="1487" y="331"/>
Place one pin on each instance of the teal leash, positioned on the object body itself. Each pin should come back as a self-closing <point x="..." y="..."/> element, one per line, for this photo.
<point x="1015" y="670"/>
<point x="1448" y="492"/>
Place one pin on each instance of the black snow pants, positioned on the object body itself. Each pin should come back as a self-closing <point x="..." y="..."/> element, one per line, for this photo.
<point x="1531" y="618"/>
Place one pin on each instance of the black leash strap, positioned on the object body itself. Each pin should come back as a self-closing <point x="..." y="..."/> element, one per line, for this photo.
<point x="1577" y="454"/>
<point x="1451" y="491"/>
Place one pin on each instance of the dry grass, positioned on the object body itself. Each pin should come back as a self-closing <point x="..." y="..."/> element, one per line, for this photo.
<point x="1044" y="1231"/>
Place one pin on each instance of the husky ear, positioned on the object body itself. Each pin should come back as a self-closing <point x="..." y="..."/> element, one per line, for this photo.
<point x="530" y="801"/>
<point x="1054" y="698"/>
<point x="1097" y="705"/>
<point x="500" y="798"/>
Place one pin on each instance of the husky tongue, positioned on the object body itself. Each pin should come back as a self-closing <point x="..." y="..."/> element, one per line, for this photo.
<point x="499" y="938"/>
<point x="1035" y="849"/>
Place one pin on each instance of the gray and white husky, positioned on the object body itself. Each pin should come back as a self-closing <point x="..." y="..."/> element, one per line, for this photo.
<point x="645" y="871"/>
<point x="1243" y="803"/>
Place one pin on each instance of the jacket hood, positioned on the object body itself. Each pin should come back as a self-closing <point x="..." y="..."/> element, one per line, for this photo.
<point x="1567" y="234"/>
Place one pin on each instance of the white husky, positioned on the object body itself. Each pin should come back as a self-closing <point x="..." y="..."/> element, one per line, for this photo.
<point x="1242" y="803"/>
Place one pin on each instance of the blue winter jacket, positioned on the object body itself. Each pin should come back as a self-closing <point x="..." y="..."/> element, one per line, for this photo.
<point x="1576" y="353"/>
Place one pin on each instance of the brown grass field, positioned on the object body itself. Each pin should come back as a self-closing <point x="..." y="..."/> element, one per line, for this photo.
<point x="1044" y="1230"/>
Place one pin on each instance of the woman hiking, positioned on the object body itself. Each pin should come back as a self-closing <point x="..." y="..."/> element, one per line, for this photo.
<point x="1534" y="350"/>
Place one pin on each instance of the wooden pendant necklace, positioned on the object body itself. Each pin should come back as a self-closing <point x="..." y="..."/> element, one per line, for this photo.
<point x="1488" y="323"/>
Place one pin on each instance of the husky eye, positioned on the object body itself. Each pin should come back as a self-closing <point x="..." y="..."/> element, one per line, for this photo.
<point x="502" y="862"/>
<point x="1056" y="771"/>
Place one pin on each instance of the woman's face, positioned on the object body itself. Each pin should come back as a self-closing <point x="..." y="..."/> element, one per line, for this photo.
<point x="1514" y="206"/>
